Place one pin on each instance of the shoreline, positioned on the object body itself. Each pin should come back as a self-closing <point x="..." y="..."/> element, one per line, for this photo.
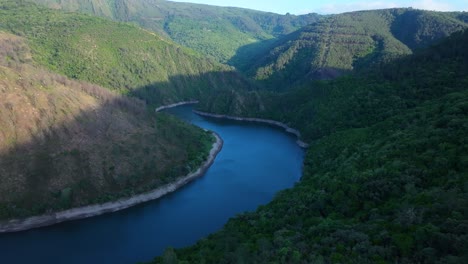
<point x="175" y="104"/>
<point x="16" y="225"/>
<point x="288" y="129"/>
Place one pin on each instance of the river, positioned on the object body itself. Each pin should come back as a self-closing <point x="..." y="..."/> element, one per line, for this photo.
<point x="256" y="162"/>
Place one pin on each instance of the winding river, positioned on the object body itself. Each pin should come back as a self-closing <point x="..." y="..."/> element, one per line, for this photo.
<point x="256" y="162"/>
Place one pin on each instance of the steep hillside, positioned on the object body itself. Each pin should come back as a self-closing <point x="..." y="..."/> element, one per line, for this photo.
<point x="65" y="143"/>
<point x="341" y="43"/>
<point x="118" y="56"/>
<point x="256" y="43"/>
<point x="418" y="29"/>
<point x="211" y="30"/>
<point x="385" y="178"/>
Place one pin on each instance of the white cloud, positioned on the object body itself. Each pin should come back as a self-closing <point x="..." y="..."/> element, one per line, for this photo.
<point x="334" y="8"/>
<point x="353" y="6"/>
<point x="432" y="5"/>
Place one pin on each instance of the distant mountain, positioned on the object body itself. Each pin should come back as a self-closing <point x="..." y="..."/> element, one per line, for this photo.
<point x="341" y="43"/>
<point x="119" y="56"/>
<point x="386" y="175"/>
<point x="282" y="50"/>
<point x="214" y="31"/>
<point x="67" y="143"/>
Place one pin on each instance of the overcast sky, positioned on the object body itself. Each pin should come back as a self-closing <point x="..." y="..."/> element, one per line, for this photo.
<point x="299" y="7"/>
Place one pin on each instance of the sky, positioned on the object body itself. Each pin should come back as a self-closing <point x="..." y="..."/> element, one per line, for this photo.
<point x="299" y="7"/>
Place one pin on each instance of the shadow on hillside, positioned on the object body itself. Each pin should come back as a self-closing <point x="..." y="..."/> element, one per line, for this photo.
<point x="79" y="151"/>
<point x="189" y="87"/>
<point x="248" y="55"/>
<point x="296" y="72"/>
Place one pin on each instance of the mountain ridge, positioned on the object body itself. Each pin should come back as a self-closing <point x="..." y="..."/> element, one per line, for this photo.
<point x="339" y="44"/>
<point x="214" y="31"/>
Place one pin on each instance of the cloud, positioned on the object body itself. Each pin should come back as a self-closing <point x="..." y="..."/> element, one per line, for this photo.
<point x="433" y="5"/>
<point x="335" y="8"/>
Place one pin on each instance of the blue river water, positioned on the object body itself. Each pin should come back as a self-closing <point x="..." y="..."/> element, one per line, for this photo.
<point x="256" y="162"/>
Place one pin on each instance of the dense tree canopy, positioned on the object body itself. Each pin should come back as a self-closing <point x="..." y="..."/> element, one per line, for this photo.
<point x="341" y="43"/>
<point x="385" y="177"/>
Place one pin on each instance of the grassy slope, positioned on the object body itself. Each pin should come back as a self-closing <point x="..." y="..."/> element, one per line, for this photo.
<point x="341" y="43"/>
<point x="385" y="178"/>
<point x="118" y="56"/>
<point x="215" y="31"/>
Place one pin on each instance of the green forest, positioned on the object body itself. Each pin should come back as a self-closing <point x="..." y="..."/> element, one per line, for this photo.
<point x="380" y="96"/>
<point x="118" y="56"/>
<point x="385" y="177"/>
<point x="216" y="32"/>
<point x="339" y="44"/>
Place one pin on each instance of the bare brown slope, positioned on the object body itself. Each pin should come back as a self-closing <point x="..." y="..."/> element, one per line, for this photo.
<point x="65" y="143"/>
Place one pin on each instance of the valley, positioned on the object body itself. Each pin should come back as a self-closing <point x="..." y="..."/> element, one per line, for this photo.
<point x="379" y="96"/>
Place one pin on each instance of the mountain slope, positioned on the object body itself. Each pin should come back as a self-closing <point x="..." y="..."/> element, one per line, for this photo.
<point x="256" y="43"/>
<point x="65" y="143"/>
<point x="214" y="31"/>
<point x="418" y="28"/>
<point x="118" y="56"/>
<point x="341" y="43"/>
<point x="385" y="177"/>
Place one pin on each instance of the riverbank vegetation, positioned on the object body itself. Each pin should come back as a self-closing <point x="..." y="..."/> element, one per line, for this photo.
<point x="385" y="177"/>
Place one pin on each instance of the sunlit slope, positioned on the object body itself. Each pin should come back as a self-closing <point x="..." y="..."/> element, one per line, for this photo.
<point x="121" y="57"/>
<point x="65" y="143"/>
<point x="342" y="43"/>
<point x="214" y="31"/>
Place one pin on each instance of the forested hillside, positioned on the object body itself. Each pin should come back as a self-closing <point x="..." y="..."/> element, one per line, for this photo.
<point x="385" y="177"/>
<point x="121" y="57"/>
<point x="257" y="43"/>
<point x="341" y="43"/>
<point x="218" y="32"/>
<point x="67" y="143"/>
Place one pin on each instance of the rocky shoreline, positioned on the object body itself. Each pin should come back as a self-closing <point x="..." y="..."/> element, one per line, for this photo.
<point x="288" y="129"/>
<point x="16" y="225"/>
<point x="175" y="104"/>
